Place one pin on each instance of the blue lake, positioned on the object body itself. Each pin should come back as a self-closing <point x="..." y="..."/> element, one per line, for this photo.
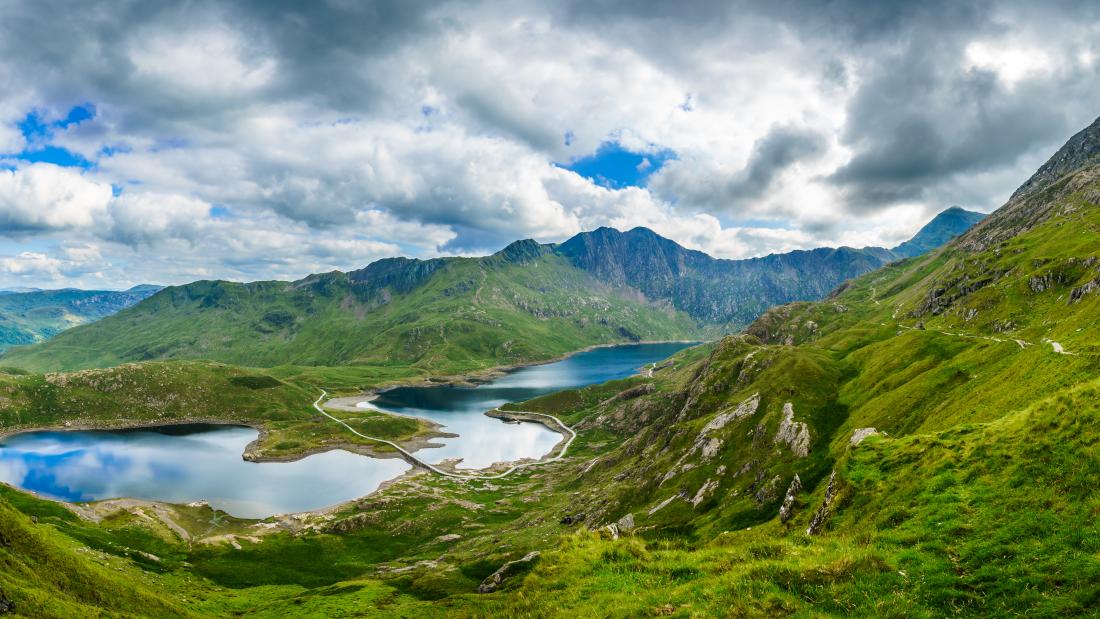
<point x="182" y="464"/>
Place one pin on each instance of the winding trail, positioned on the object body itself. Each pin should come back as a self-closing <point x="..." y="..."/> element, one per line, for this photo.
<point x="413" y="460"/>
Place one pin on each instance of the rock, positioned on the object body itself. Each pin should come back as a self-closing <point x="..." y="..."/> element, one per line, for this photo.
<point x="794" y="434"/>
<point x="787" y="509"/>
<point x="626" y="523"/>
<point x="704" y="491"/>
<point x="860" y="434"/>
<point x="612" y="530"/>
<point x="6" y="605"/>
<point x="450" y="537"/>
<point x="747" y="408"/>
<point x="665" y="503"/>
<point x="767" y="492"/>
<point x="572" y="519"/>
<point x="509" y="569"/>
<point x="1081" y="292"/>
<point x="822" y="512"/>
<point x="630" y="394"/>
<point x="708" y="445"/>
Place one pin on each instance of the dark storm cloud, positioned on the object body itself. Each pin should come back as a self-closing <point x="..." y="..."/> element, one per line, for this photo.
<point x="774" y="153"/>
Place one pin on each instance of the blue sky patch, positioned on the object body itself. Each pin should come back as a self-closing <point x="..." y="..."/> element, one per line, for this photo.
<point x="615" y="167"/>
<point x="38" y="133"/>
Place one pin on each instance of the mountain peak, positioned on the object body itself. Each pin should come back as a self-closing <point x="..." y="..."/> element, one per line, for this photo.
<point x="1080" y="150"/>
<point x="523" y="251"/>
<point x="948" y="224"/>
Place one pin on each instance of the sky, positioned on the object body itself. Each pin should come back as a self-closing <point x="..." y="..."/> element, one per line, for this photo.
<point x="149" y="142"/>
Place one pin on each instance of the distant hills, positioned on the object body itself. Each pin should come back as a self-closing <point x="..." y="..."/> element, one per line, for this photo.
<point x="29" y="315"/>
<point x="528" y="301"/>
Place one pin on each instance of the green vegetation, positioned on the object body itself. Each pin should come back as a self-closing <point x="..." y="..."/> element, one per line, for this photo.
<point x="466" y="315"/>
<point x="169" y="392"/>
<point x="34" y="316"/>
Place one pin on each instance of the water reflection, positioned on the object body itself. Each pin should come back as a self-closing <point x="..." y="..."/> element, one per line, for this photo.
<point x="181" y="464"/>
<point x="483" y="440"/>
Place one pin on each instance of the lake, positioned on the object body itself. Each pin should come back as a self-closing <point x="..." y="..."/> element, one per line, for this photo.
<point x="200" y="462"/>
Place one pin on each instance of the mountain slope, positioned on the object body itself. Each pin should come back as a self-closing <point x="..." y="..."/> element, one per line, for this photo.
<point x="938" y="232"/>
<point x="450" y="315"/>
<point x="727" y="292"/>
<point x="35" y="315"/>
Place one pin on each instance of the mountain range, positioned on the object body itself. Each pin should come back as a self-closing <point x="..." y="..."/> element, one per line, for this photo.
<point x="32" y="315"/>
<point x="527" y="302"/>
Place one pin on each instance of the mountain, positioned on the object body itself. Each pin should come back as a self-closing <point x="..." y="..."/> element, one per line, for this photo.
<point x="32" y="315"/>
<point x="923" y="442"/>
<point x="715" y="291"/>
<point x="938" y="232"/>
<point x="527" y="302"/>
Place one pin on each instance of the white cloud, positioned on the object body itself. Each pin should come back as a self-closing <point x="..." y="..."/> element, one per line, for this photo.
<point x="337" y="135"/>
<point x="210" y="61"/>
<point x="43" y="197"/>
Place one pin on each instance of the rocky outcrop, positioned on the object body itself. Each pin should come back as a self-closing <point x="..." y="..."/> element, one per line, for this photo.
<point x="706" y="444"/>
<point x="1081" y="292"/>
<point x="506" y="571"/>
<point x="626" y="523"/>
<point x="822" y="513"/>
<point x="793" y="434"/>
<point x="663" y="504"/>
<point x="6" y="605"/>
<point x="746" y="408"/>
<point x="786" y="510"/>
<point x="630" y="394"/>
<point x="860" y="434"/>
<point x="708" y="487"/>
<point x="767" y="492"/>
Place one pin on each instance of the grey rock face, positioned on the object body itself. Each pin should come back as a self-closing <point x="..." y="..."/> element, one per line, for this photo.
<point x="1074" y="154"/>
<point x="822" y="513"/>
<point x="509" y="569"/>
<point x="794" y="434"/>
<point x="626" y="523"/>
<point x="786" y="511"/>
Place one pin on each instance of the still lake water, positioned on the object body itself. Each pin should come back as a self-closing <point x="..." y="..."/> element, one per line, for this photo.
<point x="186" y="463"/>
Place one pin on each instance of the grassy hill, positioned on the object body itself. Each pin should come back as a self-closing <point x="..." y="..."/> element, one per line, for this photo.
<point x="29" y="316"/>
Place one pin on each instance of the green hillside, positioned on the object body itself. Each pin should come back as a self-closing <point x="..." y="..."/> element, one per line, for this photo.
<point x="32" y="316"/>
<point x="449" y="315"/>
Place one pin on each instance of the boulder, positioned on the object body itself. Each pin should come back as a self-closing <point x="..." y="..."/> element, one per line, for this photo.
<point x="626" y="523"/>
<point x="506" y="571"/>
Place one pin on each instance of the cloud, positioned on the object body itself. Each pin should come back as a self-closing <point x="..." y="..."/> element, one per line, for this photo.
<point x="263" y="139"/>
<point x="709" y="186"/>
<point x="44" y="197"/>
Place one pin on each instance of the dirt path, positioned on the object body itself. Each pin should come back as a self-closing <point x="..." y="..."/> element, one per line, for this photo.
<point x="413" y="460"/>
